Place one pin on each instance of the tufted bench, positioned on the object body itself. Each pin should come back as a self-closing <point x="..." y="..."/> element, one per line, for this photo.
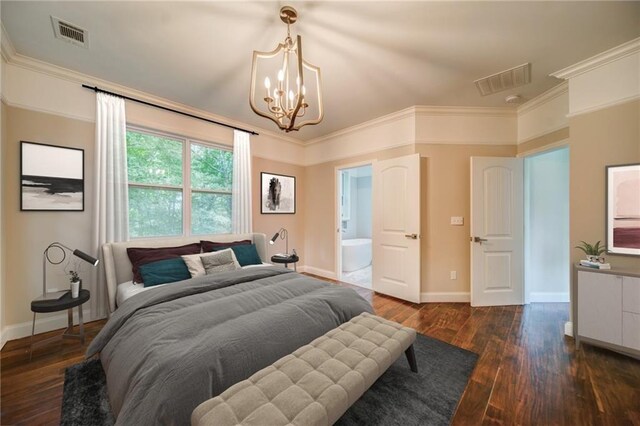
<point x="317" y="383"/>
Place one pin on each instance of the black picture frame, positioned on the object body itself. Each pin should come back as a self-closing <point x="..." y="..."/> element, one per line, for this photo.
<point x="622" y="181"/>
<point x="51" y="178"/>
<point x="285" y="200"/>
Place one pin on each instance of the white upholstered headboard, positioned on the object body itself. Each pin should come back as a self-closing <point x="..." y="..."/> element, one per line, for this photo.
<point x="117" y="265"/>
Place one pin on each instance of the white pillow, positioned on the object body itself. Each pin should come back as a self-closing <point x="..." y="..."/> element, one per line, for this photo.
<point x="194" y="264"/>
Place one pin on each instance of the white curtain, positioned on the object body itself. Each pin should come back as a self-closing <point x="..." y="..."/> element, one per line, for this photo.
<point x="111" y="202"/>
<point x="241" y="191"/>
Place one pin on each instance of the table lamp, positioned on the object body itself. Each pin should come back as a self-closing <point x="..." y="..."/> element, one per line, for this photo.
<point x="45" y="258"/>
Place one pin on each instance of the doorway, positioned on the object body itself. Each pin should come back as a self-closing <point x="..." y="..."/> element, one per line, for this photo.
<point x="354" y="243"/>
<point x="520" y="229"/>
<point x="546" y="206"/>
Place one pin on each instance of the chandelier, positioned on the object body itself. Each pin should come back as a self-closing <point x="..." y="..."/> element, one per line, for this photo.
<point x="291" y="95"/>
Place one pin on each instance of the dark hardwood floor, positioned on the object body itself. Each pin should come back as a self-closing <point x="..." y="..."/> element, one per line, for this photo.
<point x="528" y="372"/>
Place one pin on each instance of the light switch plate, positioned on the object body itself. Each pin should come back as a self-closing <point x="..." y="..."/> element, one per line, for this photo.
<point x="453" y="275"/>
<point x="457" y="220"/>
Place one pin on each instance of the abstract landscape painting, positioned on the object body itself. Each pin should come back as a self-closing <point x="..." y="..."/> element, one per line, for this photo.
<point x="52" y="178"/>
<point x="623" y="209"/>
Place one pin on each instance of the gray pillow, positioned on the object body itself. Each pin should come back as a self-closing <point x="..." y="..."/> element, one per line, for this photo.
<point x="219" y="261"/>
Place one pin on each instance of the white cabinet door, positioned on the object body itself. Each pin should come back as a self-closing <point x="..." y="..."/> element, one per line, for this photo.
<point x="599" y="307"/>
<point x="631" y="330"/>
<point x="631" y="294"/>
<point x="631" y="312"/>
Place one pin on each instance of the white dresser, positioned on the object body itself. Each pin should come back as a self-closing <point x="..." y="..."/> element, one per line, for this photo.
<point x="607" y="309"/>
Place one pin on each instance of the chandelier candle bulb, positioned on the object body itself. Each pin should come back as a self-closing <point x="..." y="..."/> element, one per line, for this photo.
<point x="267" y="85"/>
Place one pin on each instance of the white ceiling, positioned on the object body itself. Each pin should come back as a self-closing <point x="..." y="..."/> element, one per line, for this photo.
<point x="375" y="57"/>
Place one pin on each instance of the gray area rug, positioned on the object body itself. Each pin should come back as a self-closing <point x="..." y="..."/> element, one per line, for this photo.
<point x="399" y="397"/>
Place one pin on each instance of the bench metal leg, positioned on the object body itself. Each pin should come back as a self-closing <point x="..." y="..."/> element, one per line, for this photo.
<point x="411" y="357"/>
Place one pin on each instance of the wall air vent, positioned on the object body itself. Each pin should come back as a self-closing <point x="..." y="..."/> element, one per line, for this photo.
<point x="70" y="33"/>
<point x="514" y="77"/>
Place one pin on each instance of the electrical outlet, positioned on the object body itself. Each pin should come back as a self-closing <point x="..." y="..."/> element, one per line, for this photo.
<point x="457" y="220"/>
<point x="453" y="275"/>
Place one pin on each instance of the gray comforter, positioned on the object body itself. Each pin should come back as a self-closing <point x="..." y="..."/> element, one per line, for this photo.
<point x="167" y="350"/>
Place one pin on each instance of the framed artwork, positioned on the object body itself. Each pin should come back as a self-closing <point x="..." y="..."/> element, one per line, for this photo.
<point x="277" y="194"/>
<point x="623" y="209"/>
<point x="51" y="178"/>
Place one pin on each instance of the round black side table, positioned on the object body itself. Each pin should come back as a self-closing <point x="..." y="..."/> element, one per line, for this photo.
<point x="55" y="305"/>
<point x="292" y="258"/>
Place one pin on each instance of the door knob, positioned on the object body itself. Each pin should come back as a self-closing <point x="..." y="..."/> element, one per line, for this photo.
<point x="479" y="240"/>
<point x="412" y="236"/>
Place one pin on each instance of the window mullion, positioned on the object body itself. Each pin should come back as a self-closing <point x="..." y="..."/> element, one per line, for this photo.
<point x="186" y="192"/>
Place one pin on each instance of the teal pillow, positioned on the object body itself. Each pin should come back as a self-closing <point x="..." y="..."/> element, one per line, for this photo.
<point x="164" y="271"/>
<point x="246" y="254"/>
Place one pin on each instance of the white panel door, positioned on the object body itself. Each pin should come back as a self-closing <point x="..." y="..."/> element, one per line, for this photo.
<point x="396" y="227"/>
<point x="497" y="231"/>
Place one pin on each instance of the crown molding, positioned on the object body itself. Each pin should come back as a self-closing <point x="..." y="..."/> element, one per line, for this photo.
<point x="423" y="111"/>
<point x="344" y="156"/>
<point x="605" y="105"/>
<point x="32" y="64"/>
<point x="611" y="55"/>
<point x="543" y="98"/>
<point x="464" y="142"/>
<point x="459" y="111"/>
<point x="385" y="119"/>
<point x="8" y="51"/>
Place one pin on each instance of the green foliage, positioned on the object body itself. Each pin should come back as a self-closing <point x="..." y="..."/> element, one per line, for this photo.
<point x="591" y="250"/>
<point x="155" y="160"/>
<point x="73" y="276"/>
<point x="210" y="213"/>
<point x="211" y="168"/>
<point x="154" y="212"/>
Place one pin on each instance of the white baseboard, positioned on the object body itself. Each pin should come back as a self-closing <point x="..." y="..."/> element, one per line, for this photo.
<point x="3" y="338"/>
<point x="568" y="328"/>
<point x="451" y="297"/>
<point x="43" y="324"/>
<point x="317" y="271"/>
<point x="540" y="297"/>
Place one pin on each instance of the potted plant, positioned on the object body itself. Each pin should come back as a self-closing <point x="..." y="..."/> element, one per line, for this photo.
<point x="593" y="251"/>
<point x="76" y="283"/>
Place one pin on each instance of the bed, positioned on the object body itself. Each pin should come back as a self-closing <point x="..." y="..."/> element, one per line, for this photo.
<point x="166" y="350"/>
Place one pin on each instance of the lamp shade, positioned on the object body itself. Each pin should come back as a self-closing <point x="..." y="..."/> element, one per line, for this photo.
<point x="275" y="237"/>
<point x="84" y="256"/>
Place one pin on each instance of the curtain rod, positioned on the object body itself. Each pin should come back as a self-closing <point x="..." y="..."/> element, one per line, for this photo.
<point x="96" y="89"/>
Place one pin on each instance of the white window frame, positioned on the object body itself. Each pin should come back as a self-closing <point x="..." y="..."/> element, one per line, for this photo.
<point x="186" y="176"/>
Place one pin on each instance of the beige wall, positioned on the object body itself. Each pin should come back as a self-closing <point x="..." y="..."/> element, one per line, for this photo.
<point x="320" y="207"/>
<point x="269" y="224"/>
<point x="3" y="137"/>
<point x="29" y="233"/>
<point x="605" y="137"/>
<point x="446" y="192"/>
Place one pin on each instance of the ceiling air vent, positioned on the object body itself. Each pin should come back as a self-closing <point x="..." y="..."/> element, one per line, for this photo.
<point x="514" y="77"/>
<point x="70" y="33"/>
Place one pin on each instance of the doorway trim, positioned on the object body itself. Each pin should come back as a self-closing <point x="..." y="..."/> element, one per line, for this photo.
<point x="338" y="212"/>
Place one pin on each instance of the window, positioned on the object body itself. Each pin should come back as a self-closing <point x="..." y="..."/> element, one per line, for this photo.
<point x="177" y="186"/>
